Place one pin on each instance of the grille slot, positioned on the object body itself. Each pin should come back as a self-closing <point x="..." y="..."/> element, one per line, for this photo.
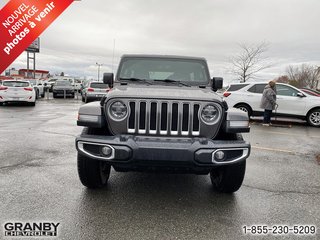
<point x="195" y="118"/>
<point x="142" y="117"/>
<point x="153" y="116"/>
<point x="164" y="118"/>
<point x="132" y="115"/>
<point x="174" y="118"/>
<point x="185" y="118"/>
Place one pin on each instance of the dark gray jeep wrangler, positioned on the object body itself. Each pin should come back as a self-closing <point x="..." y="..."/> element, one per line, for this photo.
<point x="162" y="114"/>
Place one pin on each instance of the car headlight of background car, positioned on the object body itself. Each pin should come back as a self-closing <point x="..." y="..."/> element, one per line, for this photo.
<point x="118" y="110"/>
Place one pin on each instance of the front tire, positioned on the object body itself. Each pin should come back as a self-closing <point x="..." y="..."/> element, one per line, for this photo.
<point x="228" y="179"/>
<point x="313" y="117"/>
<point x="93" y="173"/>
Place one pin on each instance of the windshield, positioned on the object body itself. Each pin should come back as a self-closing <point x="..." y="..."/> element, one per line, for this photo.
<point x="99" y="85"/>
<point x="15" y="84"/>
<point x="63" y="83"/>
<point x="189" y="71"/>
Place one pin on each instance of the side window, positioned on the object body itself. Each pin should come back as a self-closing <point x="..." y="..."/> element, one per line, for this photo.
<point x="236" y="87"/>
<point x="286" y="91"/>
<point x="257" y="88"/>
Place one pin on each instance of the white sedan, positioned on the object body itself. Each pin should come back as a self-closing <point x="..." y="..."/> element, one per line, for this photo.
<point x="17" y="91"/>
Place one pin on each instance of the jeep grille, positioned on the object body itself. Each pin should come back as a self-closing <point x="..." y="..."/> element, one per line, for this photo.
<point x="163" y="118"/>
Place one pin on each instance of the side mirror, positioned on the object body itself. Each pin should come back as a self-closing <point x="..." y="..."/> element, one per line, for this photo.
<point x="108" y="79"/>
<point x="217" y="83"/>
<point x="299" y="94"/>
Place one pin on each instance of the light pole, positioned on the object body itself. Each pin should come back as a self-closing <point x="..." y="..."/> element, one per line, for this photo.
<point x="99" y="65"/>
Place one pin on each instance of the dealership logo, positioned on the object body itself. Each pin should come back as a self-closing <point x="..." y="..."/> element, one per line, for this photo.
<point x="31" y="229"/>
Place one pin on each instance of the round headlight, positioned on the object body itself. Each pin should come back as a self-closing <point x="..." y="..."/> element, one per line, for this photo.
<point x="209" y="114"/>
<point x="118" y="110"/>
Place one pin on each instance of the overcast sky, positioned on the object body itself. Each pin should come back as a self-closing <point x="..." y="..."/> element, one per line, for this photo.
<point x="85" y="33"/>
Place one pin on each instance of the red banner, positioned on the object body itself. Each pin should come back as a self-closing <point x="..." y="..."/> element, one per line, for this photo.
<point x="22" y="21"/>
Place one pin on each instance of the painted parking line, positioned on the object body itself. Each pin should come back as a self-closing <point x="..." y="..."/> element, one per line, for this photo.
<point x="287" y="134"/>
<point x="273" y="149"/>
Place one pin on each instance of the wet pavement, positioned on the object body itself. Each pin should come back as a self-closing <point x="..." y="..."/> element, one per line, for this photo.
<point x="39" y="182"/>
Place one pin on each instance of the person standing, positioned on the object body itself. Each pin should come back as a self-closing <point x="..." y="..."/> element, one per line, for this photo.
<point x="268" y="102"/>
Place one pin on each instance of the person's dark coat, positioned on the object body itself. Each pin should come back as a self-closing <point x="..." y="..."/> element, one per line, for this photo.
<point x="269" y="97"/>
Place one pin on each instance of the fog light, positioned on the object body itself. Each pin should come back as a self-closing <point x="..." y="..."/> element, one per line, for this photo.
<point x="219" y="155"/>
<point x="107" y="151"/>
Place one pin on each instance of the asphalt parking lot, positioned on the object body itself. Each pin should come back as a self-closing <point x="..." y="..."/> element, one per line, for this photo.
<point x="39" y="182"/>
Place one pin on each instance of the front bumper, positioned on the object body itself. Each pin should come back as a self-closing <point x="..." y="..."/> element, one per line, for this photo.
<point x="17" y="99"/>
<point x="134" y="151"/>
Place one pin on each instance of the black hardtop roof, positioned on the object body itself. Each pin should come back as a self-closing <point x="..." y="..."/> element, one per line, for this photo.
<point x="161" y="56"/>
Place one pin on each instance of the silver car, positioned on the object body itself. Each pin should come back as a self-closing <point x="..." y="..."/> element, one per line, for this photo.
<point x="38" y="86"/>
<point x="94" y="91"/>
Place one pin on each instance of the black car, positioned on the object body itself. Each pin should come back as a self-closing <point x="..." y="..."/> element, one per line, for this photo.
<point x="63" y="88"/>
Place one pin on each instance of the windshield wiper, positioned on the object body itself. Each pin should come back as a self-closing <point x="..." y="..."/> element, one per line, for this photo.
<point x="136" y="80"/>
<point x="172" y="81"/>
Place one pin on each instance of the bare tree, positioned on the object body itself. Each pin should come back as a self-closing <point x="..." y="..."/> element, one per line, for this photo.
<point x="304" y="75"/>
<point x="282" y="79"/>
<point x="314" y="78"/>
<point x="250" y="61"/>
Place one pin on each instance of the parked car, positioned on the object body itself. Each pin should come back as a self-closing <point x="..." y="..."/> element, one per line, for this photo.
<point x="84" y="85"/>
<point x="311" y="92"/>
<point x="49" y="84"/>
<point x="94" y="91"/>
<point x="291" y="101"/>
<point x="17" y="91"/>
<point x="77" y="85"/>
<point x="38" y="86"/>
<point x="63" y="88"/>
